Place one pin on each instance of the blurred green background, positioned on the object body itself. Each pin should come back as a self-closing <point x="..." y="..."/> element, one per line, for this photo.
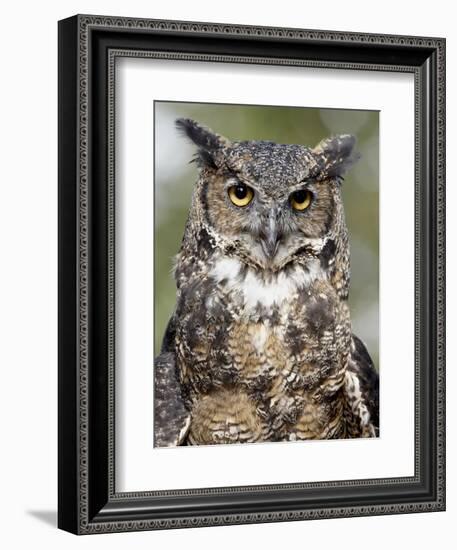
<point x="174" y="179"/>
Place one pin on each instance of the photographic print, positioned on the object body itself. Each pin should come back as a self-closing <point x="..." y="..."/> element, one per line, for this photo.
<point x="266" y="274"/>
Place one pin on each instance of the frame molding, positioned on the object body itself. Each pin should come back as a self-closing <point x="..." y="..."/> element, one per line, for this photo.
<point x="88" y="47"/>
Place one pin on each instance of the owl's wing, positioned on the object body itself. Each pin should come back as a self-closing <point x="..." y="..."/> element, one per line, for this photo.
<point x="171" y="417"/>
<point x="363" y="387"/>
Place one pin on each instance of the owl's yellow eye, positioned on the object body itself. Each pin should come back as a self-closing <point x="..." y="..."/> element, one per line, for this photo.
<point x="240" y="194"/>
<point x="300" y="200"/>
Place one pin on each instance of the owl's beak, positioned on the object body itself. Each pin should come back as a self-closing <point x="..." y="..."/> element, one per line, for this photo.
<point x="270" y="236"/>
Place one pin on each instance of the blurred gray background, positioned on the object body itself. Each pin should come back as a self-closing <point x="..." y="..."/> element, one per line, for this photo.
<point x="175" y="177"/>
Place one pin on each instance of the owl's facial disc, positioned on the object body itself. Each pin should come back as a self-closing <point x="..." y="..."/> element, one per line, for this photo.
<point x="268" y="225"/>
<point x="269" y="222"/>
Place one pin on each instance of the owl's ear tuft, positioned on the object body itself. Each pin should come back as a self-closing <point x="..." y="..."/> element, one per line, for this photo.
<point x="208" y="142"/>
<point x="336" y="155"/>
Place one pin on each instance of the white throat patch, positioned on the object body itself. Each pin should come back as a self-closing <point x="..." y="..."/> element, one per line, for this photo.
<point x="255" y="290"/>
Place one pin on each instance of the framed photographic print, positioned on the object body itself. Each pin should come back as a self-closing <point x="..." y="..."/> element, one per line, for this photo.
<point x="251" y="274"/>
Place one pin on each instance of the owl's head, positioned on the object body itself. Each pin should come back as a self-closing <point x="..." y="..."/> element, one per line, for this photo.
<point x="270" y="204"/>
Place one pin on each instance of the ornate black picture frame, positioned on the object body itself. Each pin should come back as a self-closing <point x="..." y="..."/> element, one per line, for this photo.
<point x="88" y="501"/>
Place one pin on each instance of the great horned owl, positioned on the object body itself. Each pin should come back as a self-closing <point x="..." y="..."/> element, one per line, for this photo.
<point x="260" y="346"/>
